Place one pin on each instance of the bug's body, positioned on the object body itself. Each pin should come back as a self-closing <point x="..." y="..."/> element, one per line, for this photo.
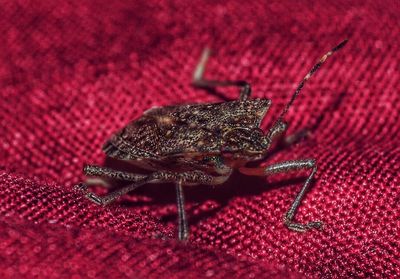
<point x="192" y="131"/>
<point x="202" y="144"/>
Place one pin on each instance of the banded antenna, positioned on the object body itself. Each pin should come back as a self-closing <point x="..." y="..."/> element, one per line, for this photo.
<point x="307" y="77"/>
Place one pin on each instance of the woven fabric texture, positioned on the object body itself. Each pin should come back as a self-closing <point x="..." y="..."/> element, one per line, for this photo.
<point x="74" y="72"/>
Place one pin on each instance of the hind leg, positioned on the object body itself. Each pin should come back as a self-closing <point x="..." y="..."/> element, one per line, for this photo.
<point x="180" y="179"/>
<point x="245" y="88"/>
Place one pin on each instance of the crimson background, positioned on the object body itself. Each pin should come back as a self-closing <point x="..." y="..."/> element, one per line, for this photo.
<point x="74" y="72"/>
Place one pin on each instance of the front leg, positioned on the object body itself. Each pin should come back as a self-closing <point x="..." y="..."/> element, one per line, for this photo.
<point x="277" y="131"/>
<point x="283" y="168"/>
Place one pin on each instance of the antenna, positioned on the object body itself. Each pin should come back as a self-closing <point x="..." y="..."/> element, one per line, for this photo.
<point x="307" y="77"/>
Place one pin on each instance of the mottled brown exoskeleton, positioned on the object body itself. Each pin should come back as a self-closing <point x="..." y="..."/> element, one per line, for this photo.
<point x="202" y="144"/>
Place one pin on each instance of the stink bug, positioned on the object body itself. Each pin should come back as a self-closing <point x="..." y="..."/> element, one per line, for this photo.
<point x="203" y="144"/>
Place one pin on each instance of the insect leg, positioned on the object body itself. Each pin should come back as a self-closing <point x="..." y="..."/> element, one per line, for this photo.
<point x="114" y="195"/>
<point x="277" y="131"/>
<point x="296" y="137"/>
<point x="286" y="167"/>
<point x="189" y="178"/>
<point x="183" y="228"/>
<point x="92" y="170"/>
<point x="245" y="88"/>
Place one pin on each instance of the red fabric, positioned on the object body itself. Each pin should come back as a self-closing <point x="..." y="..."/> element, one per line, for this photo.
<point x="72" y="73"/>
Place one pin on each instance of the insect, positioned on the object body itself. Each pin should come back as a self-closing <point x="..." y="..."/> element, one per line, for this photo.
<point x="203" y="144"/>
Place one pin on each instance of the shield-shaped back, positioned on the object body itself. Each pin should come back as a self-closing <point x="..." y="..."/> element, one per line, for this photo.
<point x="192" y="128"/>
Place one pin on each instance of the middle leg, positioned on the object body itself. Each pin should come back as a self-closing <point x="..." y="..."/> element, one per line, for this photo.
<point x="183" y="227"/>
